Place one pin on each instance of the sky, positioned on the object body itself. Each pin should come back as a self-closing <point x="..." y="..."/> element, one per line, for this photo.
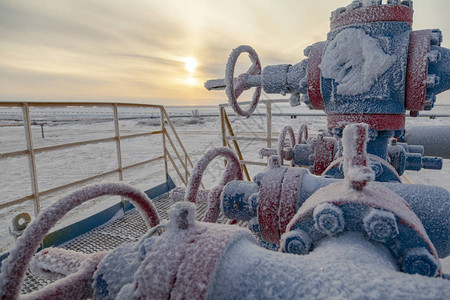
<point x="154" y="51"/>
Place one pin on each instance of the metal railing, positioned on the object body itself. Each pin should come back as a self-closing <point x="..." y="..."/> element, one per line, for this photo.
<point x="170" y="152"/>
<point x="228" y="134"/>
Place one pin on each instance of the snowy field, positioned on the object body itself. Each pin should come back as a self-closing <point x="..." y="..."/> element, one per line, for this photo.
<point x="198" y="134"/>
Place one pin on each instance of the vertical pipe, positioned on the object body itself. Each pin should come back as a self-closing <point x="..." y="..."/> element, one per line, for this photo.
<point x="269" y="123"/>
<point x="31" y="157"/>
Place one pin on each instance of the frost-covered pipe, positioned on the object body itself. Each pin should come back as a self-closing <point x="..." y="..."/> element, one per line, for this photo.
<point x="56" y="263"/>
<point x="178" y="194"/>
<point x="196" y="260"/>
<point x="14" y="267"/>
<point x="431" y="204"/>
<point x="356" y="170"/>
<point x="75" y="286"/>
<point x="348" y="266"/>
<point x="435" y="139"/>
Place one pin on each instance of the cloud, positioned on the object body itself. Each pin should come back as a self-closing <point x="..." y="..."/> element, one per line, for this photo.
<point x="116" y="48"/>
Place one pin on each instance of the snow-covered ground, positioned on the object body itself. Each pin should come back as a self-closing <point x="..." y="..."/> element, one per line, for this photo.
<point x="198" y="134"/>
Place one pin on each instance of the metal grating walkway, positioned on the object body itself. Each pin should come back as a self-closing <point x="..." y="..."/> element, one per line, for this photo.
<point x="126" y="229"/>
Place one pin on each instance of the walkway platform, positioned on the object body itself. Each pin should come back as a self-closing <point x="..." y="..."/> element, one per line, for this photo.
<point x="126" y="229"/>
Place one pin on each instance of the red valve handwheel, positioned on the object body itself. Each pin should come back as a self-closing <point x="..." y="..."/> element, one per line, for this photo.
<point x="235" y="86"/>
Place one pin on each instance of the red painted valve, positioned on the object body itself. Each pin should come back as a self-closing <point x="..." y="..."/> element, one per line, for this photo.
<point x="233" y="171"/>
<point x="286" y="152"/>
<point x="78" y="285"/>
<point x="235" y="86"/>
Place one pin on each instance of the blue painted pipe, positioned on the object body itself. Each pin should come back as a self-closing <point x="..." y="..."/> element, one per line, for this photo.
<point x="413" y="162"/>
<point x="345" y="267"/>
<point x="378" y="146"/>
<point x="435" y="139"/>
<point x="412" y="148"/>
<point x="224" y="262"/>
<point x="430" y="203"/>
<point x="434" y="163"/>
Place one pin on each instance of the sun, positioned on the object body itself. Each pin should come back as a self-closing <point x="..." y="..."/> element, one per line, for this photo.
<point x="191" y="64"/>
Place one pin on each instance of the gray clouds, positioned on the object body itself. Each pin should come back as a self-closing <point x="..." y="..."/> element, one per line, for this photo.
<point x="109" y="49"/>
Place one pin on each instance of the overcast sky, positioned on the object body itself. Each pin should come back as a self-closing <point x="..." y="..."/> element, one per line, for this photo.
<point x="137" y="50"/>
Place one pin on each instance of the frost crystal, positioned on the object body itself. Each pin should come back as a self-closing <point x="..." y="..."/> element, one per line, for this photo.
<point x="355" y="60"/>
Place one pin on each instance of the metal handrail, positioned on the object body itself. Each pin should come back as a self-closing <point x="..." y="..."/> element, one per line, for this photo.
<point x="229" y="135"/>
<point x="227" y="128"/>
<point x="31" y="151"/>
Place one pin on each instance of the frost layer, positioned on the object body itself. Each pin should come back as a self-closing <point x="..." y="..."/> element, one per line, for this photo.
<point x="355" y="60"/>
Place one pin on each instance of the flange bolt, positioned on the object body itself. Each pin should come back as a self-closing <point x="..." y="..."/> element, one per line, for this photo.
<point x="329" y="219"/>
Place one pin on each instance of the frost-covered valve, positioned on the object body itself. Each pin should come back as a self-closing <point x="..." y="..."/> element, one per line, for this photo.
<point x="410" y="157"/>
<point x="316" y="153"/>
<point x="276" y="79"/>
<point x="354" y="75"/>
<point x="79" y="284"/>
<point x="359" y="204"/>
<point x="286" y="153"/>
<point x="235" y="86"/>
<point x="284" y="150"/>
<point x="232" y="171"/>
<point x="302" y="138"/>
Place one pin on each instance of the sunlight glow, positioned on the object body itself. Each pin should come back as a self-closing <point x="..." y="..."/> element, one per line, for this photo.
<point x="191" y="81"/>
<point x="191" y="64"/>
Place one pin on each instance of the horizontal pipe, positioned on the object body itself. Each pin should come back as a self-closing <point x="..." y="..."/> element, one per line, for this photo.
<point x="435" y="139"/>
<point x="348" y="266"/>
<point x="431" y="204"/>
<point x="255" y="163"/>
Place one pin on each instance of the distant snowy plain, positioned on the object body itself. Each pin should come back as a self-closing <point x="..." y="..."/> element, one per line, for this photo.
<point x="198" y="134"/>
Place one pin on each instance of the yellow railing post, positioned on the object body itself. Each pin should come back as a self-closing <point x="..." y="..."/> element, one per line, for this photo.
<point x="163" y="129"/>
<point x="235" y="143"/>
<point x="117" y="137"/>
<point x="222" y="127"/>
<point x="31" y="157"/>
<point x="269" y="123"/>
<point x="118" y="147"/>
